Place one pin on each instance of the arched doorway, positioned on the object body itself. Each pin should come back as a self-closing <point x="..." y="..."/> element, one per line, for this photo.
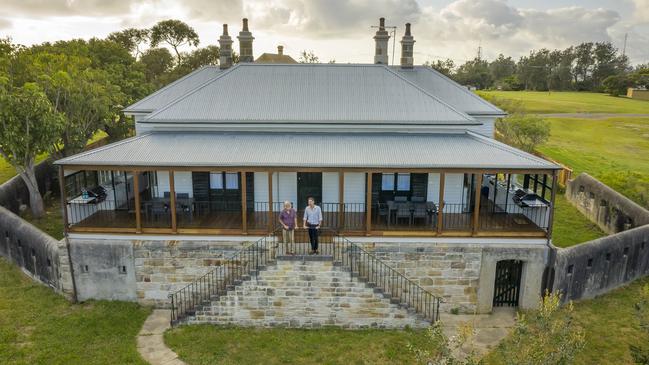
<point x="507" y="286"/>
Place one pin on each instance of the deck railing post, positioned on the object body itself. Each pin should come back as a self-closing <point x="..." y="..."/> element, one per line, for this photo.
<point x="172" y="202"/>
<point x="244" y="203"/>
<point x="368" y="204"/>
<point x="440" y="205"/>
<point x="136" y="195"/>
<point x="476" y="209"/>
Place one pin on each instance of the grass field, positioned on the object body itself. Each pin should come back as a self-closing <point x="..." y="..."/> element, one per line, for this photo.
<point x="613" y="150"/>
<point x="52" y="222"/>
<point x="570" y="226"/>
<point x="38" y="326"/>
<point x="571" y="102"/>
<point x="206" y="344"/>
<point x="610" y="324"/>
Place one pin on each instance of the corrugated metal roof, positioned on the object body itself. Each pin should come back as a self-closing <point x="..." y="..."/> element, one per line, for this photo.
<point x="174" y="90"/>
<point x="451" y="150"/>
<point x="318" y="93"/>
<point x="448" y="90"/>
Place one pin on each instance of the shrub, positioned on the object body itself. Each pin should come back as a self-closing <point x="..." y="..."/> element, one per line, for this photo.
<point x="524" y="131"/>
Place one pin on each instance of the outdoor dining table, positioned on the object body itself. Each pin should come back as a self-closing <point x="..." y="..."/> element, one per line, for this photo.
<point x="393" y="207"/>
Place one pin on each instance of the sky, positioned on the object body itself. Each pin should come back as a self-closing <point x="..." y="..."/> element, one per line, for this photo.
<point x="341" y="30"/>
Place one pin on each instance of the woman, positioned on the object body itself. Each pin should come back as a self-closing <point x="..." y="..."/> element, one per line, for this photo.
<point x="288" y="220"/>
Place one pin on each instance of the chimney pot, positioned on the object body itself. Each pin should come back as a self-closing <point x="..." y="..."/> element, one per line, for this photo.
<point x="245" y="43"/>
<point x="381" y="39"/>
<point x="225" y="46"/>
<point x="407" y="44"/>
<point x="280" y="50"/>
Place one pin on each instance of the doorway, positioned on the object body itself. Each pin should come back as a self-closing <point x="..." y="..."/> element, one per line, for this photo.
<point x="309" y="184"/>
<point x="507" y="285"/>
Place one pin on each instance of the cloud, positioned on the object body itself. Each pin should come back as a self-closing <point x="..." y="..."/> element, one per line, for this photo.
<point x="641" y="11"/>
<point x="503" y="28"/>
<point x="308" y="18"/>
<point x="68" y="7"/>
<point x="4" y="24"/>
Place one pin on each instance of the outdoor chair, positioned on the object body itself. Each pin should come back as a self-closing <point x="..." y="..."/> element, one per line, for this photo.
<point x="400" y="199"/>
<point x="384" y="212"/>
<point x="403" y="211"/>
<point x="420" y="211"/>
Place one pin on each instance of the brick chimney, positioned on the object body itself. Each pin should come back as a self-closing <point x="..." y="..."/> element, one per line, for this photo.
<point x="280" y="50"/>
<point x="245" y="43"/>
<point x="407" y="43"/>
<point x="225" y="45"/>
<point x="381" y="39"/>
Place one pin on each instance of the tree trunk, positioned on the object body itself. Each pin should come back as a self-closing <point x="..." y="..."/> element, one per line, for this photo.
<point x="35" y="199"/>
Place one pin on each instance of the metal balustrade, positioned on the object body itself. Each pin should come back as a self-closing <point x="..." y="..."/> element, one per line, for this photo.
<point x="256" y="257"/>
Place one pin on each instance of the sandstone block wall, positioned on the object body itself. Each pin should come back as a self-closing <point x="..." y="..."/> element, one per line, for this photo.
<point x="309" y="294"/>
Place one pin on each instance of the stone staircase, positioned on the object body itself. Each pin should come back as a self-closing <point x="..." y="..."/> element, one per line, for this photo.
<point x="306" y="292"/>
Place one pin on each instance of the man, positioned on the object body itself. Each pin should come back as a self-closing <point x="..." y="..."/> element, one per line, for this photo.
<point x="312" y="221"/>
<point x="288" y="220"/>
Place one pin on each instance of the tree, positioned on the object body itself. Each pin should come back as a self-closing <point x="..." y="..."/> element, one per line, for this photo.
<point x="617" y="85"/>
<point x="201" y="57"/>
<point x="545" y="336"/>
<point x="308" y="57"/>
<point x="444" y="67"/>
<point x="175" y="33"/>
<point x="130" y="39"/>
<point x="157" y="62"/>
<point x="502" y="67"/>
<point x="30" y="126"/>
<point x="525" y="131"/>
<point x="475" y="73"/>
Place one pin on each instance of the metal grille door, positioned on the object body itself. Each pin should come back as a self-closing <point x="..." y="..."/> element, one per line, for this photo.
<point x="508" y="283"/>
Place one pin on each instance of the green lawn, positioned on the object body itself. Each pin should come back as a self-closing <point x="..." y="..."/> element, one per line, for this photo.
<point x="613" y="150"/>
<point x="207" y="344"/>
<point x="610" y="324"/>
<point x="52" y="222"/>
<point x="38" y="326"/>
<point x="571" y="102"/>
<point x="570" y="226"/>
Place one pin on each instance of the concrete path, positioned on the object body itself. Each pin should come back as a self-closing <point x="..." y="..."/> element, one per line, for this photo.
<point x="150" y="341"/>
<point x="594" y="115"/>
<point x="489" y="329"/>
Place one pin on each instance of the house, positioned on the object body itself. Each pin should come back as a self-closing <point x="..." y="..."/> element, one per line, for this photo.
<point x="637" y="93"/>
<point x="401" y="159"/>
<point x="278" y="57"/>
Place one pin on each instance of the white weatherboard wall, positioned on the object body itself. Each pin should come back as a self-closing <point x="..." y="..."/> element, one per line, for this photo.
<point x="284" y="188"/>
<point x="330" y="191"/>
<point x="354" y="187"/>
<point x="453" y="188"/>
<point x="487" y="127"/>
<point x="182" y="183"/>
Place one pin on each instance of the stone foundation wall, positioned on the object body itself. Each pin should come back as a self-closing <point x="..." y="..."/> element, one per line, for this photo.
<point x="145" y="271"/>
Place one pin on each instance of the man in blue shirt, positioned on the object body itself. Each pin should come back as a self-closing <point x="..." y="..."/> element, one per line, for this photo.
<point x="312" y="221"/>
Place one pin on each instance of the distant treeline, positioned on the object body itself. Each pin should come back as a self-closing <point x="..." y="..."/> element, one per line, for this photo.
<point x="586" y="67"/>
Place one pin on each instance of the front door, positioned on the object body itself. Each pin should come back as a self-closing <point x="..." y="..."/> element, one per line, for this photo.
<point x="308" y="184"/>
<point x="508" y="283"/>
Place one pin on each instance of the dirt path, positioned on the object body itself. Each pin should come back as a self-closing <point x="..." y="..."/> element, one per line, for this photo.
<point x="593" y="115"/>
<point x="489" y="329"/>
<point x="150" y="341"/>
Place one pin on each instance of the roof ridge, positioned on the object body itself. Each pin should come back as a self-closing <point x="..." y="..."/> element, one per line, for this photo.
<point x="458" y="86"/>
<point x="157" y="92"/>
<point x="468" y="117"/>
<point x="505" y="147"/>
<point x="191" y="92"/>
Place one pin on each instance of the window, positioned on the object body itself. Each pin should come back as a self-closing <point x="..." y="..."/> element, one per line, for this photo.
<point x="232" y="180"/>
<point x="216" y="180"/>
<point x="220" y="180"/>
<point x="387" y="182"/>
<point x="403" y="182"/>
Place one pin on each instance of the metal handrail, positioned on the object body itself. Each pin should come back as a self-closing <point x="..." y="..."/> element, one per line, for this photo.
<point x="234" y="269"/>
<point x="389" y="281"/>
<point x="254" y="257"/>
